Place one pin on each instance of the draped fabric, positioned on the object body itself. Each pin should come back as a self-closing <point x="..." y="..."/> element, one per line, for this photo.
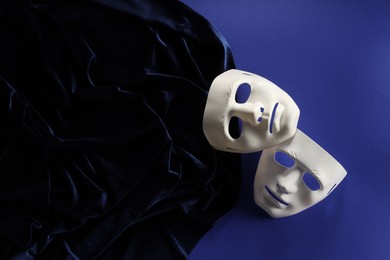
<point x="102" y="153"/>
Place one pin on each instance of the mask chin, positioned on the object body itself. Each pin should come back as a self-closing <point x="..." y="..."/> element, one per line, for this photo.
<point x="294" y="176"/>
<point x="263" y="113"/>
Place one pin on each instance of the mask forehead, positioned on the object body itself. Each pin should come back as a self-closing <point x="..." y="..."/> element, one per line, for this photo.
<point x="267" y="117"/>
<point x="281" y="190"/>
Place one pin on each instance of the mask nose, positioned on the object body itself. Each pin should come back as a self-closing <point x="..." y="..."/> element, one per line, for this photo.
<point x="252" y="113"/>
<point x="288" y="181"/>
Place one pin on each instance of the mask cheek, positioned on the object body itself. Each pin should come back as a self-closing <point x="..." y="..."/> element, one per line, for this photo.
<point x="302" y="199"/>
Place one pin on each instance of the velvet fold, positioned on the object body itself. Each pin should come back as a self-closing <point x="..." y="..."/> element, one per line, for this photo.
<point x="102" y="153"/>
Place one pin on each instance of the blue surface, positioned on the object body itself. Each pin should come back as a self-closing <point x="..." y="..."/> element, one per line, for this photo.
<point x="333" y="58"/>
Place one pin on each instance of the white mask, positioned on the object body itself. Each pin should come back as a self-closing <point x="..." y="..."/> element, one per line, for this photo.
<point x="294" y="176"/>
<point x="268" y="116"/>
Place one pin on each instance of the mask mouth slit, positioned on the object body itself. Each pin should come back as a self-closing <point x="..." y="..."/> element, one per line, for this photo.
<point x="271" y="124"/>
<point x="334" y="186"/>
<point x="273" y="195"/>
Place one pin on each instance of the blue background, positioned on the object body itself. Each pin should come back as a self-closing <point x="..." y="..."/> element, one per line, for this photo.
<point x="333" y="58"/>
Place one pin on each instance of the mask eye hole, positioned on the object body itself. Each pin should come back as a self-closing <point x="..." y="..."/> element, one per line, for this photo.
<point x="235" y="127"/>
<point x="311" y="182"/>
<point x="284" y="159"/>
<point x="243" y="92"/>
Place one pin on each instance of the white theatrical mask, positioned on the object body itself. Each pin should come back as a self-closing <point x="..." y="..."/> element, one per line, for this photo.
<point x="266" y="114"/>
<point x="294" y="176"/>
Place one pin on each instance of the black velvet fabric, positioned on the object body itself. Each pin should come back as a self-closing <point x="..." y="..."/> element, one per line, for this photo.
<point x="102" y="153"/>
